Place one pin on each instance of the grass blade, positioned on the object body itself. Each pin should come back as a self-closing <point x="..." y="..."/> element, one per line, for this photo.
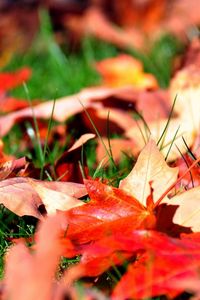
<point x="172" y="143"/>
<point x="99" y="136"/>
<point x="162" y="137"/>
<point x="46" y="139"/>
<point x="37" y="133"/>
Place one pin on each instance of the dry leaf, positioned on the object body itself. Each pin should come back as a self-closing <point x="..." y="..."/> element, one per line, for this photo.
<point x="104" y="29"/>
<point x="10" y="168"/>
<point x="118" y="148"/>
<point x="141" y="22"/>
<point x="125" y="70"/>
<point x="67" y="167"/>
<point x="54" y="200"/>
<point x="186" y="85"/>
<point x="21" y="197"/>
<point x="65" y="107"/>
<point x="150" y="167"/>
<point x="81" y="141"/>
<point x="188" y="209"/>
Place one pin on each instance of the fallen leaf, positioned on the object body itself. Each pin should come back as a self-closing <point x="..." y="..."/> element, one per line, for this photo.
<point x="172" y="139"/>
<point x="9" y="80"/>
<point x="155" y="261"/>
<point x="20" y="196"/>
<point x="153" y="275"/>
<point x="34" y="278"/>
<point x="167" y="260"/>
<point x="118" y="146"/>
<point x="81" y="141"/>
<point x="98" y="102"/>
<point x="18" y="27"/>
<point x="67" y="167"/>
<point x="186" y="85"/>
<point x="8" y="104"/>
<point x="112" y="116"/>
<point x="159" y="100"/>
<point x="10" y="168"/>
<point x="109" y="208"/>
<point x="64" y="108"/>
<point x="192" y="179"/>
<point x="192" y="54"/>
<point x="125" y="70"/>
<point x="188" y="17"/>
<point x="55" y="200"/>
<point x="134" y="24"/>
<point x="188" y="212"/>
<point x="144" y="15"/>
<point x="150" y="167"/>
<point x="106" y="30"/>
<point x="3" y="156"/>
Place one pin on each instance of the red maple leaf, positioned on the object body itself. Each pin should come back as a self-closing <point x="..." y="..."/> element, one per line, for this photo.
<point x="9" y="80"/>
<point x="115" y="226"/>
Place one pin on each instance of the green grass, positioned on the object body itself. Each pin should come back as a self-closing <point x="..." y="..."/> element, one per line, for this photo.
<point x="159" y="61"/>
<point x="55" y="73"/>
<point x="59" y="73"/>
<point x="11" y="227"/>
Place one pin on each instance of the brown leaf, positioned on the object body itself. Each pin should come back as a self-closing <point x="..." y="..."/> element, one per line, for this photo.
<point x="10" y="168"/>
<point x="104" y="29"/>
<point x="143" y="15"/>
<point x="65" y="107"/>
<point x="55" y="200"/>
<point x="118" y="146"/>
<point x="188" y="211"/>
<point x="116" y="120"/>
<point x="188" y="17"/>
<point x="139" y="22"/>
<point x="159" y="100"/>
<point x="172" y="139"/>
<point x="21" y="196"/>
<point x="150" y="167"/>
<point x="67" y="167"/>
<point x="186" y="85"/>
<point x="81" y="141"/>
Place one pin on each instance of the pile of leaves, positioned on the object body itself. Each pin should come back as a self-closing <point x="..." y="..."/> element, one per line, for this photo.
<point x="104" y="203"/>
